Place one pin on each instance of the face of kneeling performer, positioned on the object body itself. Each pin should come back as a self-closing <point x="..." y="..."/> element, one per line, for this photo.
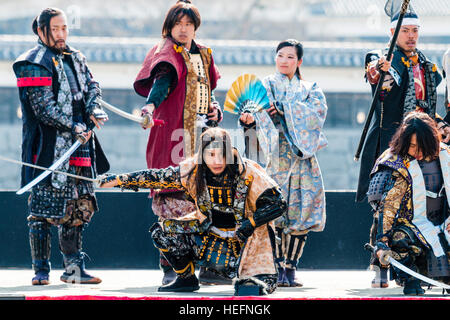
<point x="215" y="155"/>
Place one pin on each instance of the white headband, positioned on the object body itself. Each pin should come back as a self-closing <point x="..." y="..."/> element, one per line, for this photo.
<point x="406" y="22"/>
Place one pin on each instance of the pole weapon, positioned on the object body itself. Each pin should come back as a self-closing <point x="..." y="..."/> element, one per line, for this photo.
<point x="393" y="42"/>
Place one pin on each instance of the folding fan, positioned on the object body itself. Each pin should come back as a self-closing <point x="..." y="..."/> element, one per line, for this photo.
<point x="247" y="94"/>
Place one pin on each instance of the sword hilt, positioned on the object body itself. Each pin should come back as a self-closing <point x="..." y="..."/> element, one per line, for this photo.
<point x="147" y="119"/>
<point x="82" y="139"/>
<point x="369" y="247"/>
<point x="384" y="259"/>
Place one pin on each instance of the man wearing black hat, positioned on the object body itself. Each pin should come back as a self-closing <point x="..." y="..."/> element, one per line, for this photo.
<point x="409" y="85"/>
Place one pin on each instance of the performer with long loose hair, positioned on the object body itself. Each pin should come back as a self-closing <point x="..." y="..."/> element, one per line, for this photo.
<point x="231" y="230"/>
<point x="409" y="190"/>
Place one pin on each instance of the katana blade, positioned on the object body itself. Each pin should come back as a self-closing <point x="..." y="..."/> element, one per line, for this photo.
<point x="44" y="168"/>
<point x="418" y="275"/>
<point x="141" y="120"/>
<point x="54" y="166"/>
<point x="120" y="112"/>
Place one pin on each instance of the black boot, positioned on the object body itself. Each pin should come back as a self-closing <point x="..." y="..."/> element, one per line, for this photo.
<point x="41" y="278"/>
<point x="181" y="284"/>
<point x="75" y="270"/>
<point x="413" y="288"/>
<point x="291" y="278"/>
<point x="282" y="281"/>
<point x="209" y="277"/>
<point x="169" y="276"/>
<point x="40" y="243"/>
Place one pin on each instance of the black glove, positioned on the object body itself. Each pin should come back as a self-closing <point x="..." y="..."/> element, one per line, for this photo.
<point x="383" y="252"/>
<point x="245" y="230"/>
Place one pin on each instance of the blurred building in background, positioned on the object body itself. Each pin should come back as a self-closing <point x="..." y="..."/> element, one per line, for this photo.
<point x="243" y="35"/>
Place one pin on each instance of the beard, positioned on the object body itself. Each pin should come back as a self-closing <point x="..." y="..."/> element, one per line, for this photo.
<point x="408" y="49"/>
<point x="57" y="45"/>
<point x="60" y="46"/>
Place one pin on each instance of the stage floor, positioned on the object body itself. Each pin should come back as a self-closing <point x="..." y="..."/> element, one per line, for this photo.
<point x="137" y="284"/>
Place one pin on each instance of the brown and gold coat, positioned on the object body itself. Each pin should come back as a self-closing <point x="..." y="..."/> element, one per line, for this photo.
<point x="257" y="254"/>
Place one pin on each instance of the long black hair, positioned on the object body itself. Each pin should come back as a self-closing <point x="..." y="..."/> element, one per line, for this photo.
<point x="298" y="49"/>
<point x="209" y="136"/>
<point x="427" y="135"/>
<point x="43" y="22"/>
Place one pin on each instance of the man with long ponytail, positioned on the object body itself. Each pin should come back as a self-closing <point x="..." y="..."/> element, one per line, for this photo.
<point x="59" y="104"/>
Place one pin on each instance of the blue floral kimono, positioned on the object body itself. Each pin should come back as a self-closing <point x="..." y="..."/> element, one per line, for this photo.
<point x="289" y="143"/>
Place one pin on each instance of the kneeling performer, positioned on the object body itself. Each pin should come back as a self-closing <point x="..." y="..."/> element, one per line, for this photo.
<point x="231" y="231"/>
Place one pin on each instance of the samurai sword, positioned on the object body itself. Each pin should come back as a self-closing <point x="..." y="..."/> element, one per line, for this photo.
<point x="80" y="140"/>
<point x="403" y="10"/>
<point x="143" y="121"/>
<point x="44" y="168"/>
<point x="416" y="275"/>
<point x="50" y="169"/>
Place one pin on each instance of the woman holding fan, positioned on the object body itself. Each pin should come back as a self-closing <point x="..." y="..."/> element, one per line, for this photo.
<point x="288" y="135"/>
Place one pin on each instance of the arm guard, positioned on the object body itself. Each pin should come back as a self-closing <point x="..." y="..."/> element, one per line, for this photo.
<point x="376" y="187"/>
<point x="164" y="77"/>
<point x="94" y="93"/>
<point x="167" y="178"/>
<point x="370" y="61"/>
<point x="41" y="98"/>
<point x="391" y="203"/>
<point x="269" y="206"/>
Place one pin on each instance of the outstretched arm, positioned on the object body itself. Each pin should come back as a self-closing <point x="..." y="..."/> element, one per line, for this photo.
<point x="167" y="178"/>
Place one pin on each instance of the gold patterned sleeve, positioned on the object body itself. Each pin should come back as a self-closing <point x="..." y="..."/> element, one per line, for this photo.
<point x="390" y="204"/>
<point x="167" y="178"/>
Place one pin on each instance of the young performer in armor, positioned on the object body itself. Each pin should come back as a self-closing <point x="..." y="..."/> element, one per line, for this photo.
<point x="297" y="114"/>
<point x="410" y="190"/>
<point x="410" y="84"/>
<point x="58" y="96"/>
<point x="231" y="230"/>
<point x="178" y="77"/>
